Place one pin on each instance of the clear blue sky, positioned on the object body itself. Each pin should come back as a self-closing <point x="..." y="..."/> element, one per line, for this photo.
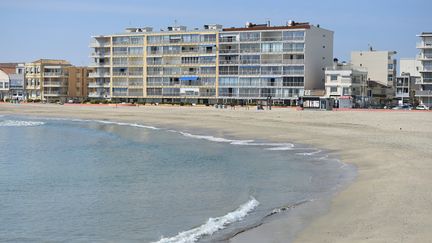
<point x="61" y="29"/>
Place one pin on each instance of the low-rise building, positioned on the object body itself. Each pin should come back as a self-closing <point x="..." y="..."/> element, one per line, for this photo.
<point x="4" y="85"/>
<point x="55" y="80"/>
<point x="347" y="85"/>
<point x="406" y="87"/>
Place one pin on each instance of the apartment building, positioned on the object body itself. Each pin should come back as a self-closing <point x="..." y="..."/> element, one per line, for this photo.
<point x="55" y="80"/>
<point x="78" y="80"/>
<point x="347" y="85"/>
<point x="424" y="94"/>
<point x="380" y="65"/>
<point x="214" y="64"/>
<point x="46" y="79"/>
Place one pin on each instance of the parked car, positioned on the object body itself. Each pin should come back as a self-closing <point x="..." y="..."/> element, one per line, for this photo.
<point x="403" y="107"/>
<point x="422" y="107"/>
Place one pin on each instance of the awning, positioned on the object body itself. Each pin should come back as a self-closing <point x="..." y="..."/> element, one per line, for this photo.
<point x="187" y="78"/>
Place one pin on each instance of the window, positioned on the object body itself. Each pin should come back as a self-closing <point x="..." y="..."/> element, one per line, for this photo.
<point x="346" y="91"/>
<point x="390" y="66"/>
<point x="333" y="89"/>
<point x="333" y="77"/>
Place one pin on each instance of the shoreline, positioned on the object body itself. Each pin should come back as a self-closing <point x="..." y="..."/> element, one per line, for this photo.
<point x="389" y="200"/>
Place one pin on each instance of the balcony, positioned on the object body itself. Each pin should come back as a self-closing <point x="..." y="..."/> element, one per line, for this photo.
<point x="100" y="54"/>
<point x="99" y="75"/>
<point x="55" y="84"/>
<point x="54" y="74"/>
<point x="98" y="85"/>
<point x="99" y="44"/>
<point x="54" y="94"/>
<point x="228" y="62"/>
<point x="425" y="69"/>
<point x="423" y="93"/>
<point x="98" y="95"/>
<point x="98" y="64"/>
<point x="425" y="57"/>
<point x="424" y="45"/>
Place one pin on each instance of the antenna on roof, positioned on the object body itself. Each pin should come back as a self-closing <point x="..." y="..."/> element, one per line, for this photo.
<point x="175" y="22"/>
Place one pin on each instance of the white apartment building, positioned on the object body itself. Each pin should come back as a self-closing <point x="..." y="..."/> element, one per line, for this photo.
<point x="250" y="63"/>
<point x="424" y="94"/>
<point x="4" y="85"/>
<point x="346" y="84"/>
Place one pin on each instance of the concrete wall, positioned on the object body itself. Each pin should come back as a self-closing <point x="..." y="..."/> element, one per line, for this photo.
<point x="318" y="56"/>
<point x="409" y="65"/>
<point x="376" y="63"/>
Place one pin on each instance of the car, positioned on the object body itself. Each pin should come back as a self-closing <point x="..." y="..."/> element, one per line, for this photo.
<point x="403" y="107"/>
<point x="422" y="107"/>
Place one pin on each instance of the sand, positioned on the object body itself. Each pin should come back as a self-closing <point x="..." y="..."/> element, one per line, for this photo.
<point x="389" y="201"/>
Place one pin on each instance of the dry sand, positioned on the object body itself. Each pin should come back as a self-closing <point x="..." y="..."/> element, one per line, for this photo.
<point x="390" y="200"/>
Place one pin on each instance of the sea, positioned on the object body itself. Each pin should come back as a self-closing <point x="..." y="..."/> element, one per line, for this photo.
<point x="74" y="180"/>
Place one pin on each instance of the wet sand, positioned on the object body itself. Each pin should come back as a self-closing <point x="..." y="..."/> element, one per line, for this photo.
<point x="390" y="200"/>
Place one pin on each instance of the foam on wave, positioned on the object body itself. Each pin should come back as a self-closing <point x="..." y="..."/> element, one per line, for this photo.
<point x="16" y="123"/>
<point x="213" y="224"/>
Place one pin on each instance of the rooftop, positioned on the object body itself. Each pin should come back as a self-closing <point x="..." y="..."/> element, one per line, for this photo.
<point x="249" y="26"/>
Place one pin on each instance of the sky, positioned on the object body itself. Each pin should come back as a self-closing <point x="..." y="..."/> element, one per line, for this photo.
<point x="62" y="29"/>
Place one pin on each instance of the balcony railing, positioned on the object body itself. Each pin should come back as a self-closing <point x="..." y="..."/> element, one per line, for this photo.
<point x="424" y="93"/>
<point x="53" y="74"/>
<point x="54" y="84"/>
<point x="99" y="75"/>
<point x="98" y="85"/>
<point x="98" y="95"/>
<point x="101" y="54"/>
<point x="99" y="44"/>
<point x="421" y="45"/>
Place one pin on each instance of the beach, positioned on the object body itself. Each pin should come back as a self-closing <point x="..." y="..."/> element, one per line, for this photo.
<point x="389" y="201"/>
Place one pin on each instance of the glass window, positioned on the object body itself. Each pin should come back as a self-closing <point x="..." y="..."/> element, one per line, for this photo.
<point x="333" y="89"/>
<point x="333" y="77"/>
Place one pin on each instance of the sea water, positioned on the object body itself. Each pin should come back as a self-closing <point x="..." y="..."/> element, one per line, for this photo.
<point x="101" y="181"/>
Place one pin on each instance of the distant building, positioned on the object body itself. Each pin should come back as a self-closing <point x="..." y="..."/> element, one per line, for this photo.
<point x="4" y="85"/>
<point x="409" y="65"/>
<point x="55" y="80"/>
<point x="380" y="65"/>
<point x="424" y="94"/>
<point x="214" y="64"/>
<point x="347" y="85"/>
<point x="15" y="71"/>
<point x="405" y="87"/>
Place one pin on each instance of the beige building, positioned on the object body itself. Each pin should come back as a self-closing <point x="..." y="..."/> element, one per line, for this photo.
<point x="380" y="65"/>
<point x="409" y="65"/>
<point x="55" y="80"/>
<point x="213" y="64"/>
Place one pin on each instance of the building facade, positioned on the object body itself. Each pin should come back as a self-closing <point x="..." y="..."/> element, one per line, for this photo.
<point x="406" y="87"/>
<point x="4" y="85"/>
<point x="211" y="65"/>
<point x="347" y="85"/>
<point x="55" y="80"/>
<point x="424" y="94"/>
<point x="380" y="65"/>
<point x="409" y="65"/>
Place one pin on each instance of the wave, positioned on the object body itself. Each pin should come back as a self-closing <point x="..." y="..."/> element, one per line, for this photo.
<point x="269" y="146"/>
<point x="15" y="123"/>
<point x="273" y="146"/>
<point x="213" y="224"/>
<point x="105" y="122"/>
